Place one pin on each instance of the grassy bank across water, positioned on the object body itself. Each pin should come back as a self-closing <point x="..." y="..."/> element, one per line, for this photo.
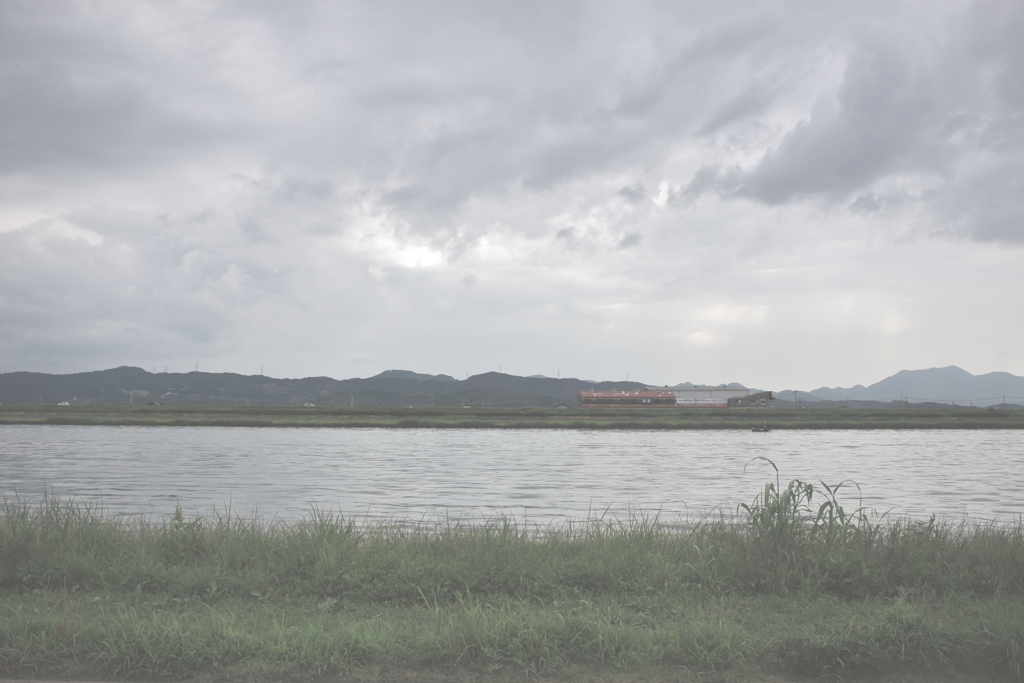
<point x="793" y="585"/>
<point x="512" y="418"/>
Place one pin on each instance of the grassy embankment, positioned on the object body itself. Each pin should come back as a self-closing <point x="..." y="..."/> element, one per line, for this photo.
<point x="794" y="584"/>
<point x="511" y="418"/>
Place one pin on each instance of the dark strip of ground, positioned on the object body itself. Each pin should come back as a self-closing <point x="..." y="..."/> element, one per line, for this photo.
<point x="512" y="418"/>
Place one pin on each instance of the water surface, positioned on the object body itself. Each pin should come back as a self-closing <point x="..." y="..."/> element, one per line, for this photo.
<point x="538" y="476"/>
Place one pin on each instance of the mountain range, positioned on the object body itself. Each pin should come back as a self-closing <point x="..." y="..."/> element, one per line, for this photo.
<point x="947" y="385"/>
<point x="406" y="388"/>
<point x="389" y="388"/>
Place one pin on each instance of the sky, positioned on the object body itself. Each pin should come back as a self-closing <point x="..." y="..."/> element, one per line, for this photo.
<point x="786" y="194"/>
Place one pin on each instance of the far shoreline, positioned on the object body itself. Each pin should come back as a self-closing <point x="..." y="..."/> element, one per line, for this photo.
<point x="427" y="417"/>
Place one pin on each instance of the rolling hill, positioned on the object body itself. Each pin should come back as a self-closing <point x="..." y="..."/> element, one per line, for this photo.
<point x="390" y="388"/>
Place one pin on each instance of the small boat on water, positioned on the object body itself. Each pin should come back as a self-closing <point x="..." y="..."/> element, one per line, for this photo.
<point x="761" y="429"/>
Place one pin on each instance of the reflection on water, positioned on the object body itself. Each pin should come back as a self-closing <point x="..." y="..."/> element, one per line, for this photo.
<point x="539" y="476"/>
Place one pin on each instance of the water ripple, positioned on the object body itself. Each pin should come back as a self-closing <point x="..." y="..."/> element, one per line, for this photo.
<point x="541" y="476"/>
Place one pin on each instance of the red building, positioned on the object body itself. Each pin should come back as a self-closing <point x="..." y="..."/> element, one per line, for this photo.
<point x="638" y="399"/>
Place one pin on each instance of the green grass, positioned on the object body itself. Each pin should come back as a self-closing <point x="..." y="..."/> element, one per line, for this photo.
<point x="512" y="418"/>
<point x="792" y="583"/>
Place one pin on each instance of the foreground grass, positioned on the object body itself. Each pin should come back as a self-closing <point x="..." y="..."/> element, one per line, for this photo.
<point x="512" y="418"/>
<point x="795" y="584"/>
<point x="101" y="634"/>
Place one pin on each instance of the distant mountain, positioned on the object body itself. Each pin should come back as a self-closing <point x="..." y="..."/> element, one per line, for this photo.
<point x="389" y="388"/>
<point x="407" y="388"/>
<point x="942" y="385"/>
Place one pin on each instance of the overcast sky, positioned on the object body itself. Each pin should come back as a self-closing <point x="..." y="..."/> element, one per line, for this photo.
<point x="784" y="194"/>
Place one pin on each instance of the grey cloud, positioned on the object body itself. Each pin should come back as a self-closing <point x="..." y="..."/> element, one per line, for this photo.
<point x="574" y="158"/>
<point x="567" y="235"/>
<point x="992" y="32"/>
<point x="150" y="288"/>
<point x="630" y="240"/>
<point x="534" y="118"/>
<point x="315" y="178"/>
<point x="725" y="182"/>
<point x="754" y="100"/>
<point x="633" y="193"/>
<point x="984" y="204"/>
<point x="425" y="198"/>
<point x="47" y="120"/>
<point x="885" y="121"/>
<point x="915" y="105"/>
<point x="83" y="298"/>
<point x="72" y="98"/>
<point x="870" y="202"/>
<point x="694" y="63"/>
<point x="577" y="241"/>
<point x="986" y="198"/>
<point x="300" y="189"/>
<point x="254" y="229"/>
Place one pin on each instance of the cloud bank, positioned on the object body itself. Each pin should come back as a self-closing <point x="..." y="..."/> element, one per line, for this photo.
<point x="778" y="193"/>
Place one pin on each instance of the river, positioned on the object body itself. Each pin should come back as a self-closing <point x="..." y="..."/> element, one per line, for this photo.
<point x="535" y="476"/>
